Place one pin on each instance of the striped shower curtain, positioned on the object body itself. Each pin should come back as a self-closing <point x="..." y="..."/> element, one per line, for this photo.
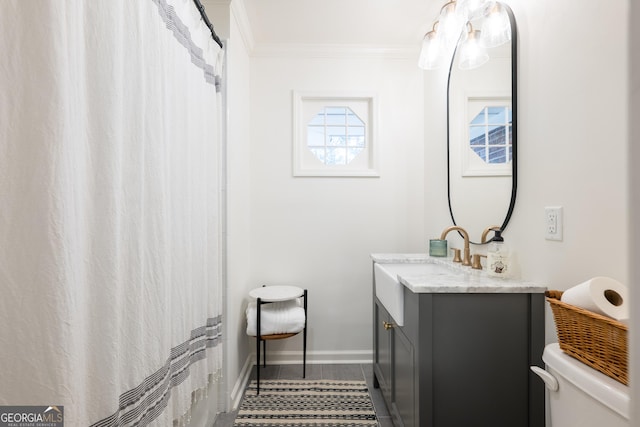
<point x="110" y="134"/>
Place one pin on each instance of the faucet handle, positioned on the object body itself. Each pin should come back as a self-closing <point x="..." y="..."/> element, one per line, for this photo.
<point x="456" y="255"/>
<point x="475" y="261"/>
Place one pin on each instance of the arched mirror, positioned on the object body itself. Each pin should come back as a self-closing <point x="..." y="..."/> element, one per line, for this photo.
<point x="482" y="129"/>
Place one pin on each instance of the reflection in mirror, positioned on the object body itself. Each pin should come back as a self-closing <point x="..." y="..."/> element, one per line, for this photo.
<point x="482" y="131"/>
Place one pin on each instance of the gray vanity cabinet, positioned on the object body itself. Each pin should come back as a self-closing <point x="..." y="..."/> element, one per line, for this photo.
<point x="462" y="359"/>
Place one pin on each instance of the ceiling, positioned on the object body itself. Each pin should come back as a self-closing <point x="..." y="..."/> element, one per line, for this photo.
<point x="359" y="22"/>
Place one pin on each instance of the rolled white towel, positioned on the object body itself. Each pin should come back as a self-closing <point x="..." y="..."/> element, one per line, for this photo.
<point x="276" y="318"/>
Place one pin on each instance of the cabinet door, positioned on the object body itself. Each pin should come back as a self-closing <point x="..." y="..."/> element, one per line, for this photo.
<point x="404" y="380"/>
<point x="382" y="351"/>
<point x="481" y="360"/>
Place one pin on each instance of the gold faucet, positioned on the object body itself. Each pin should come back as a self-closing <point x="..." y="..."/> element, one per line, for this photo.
<point x="466" y="259"/>
<point x="486" y="231"/>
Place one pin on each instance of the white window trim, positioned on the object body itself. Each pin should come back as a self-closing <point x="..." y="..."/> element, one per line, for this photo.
<point x="300" y="135"/>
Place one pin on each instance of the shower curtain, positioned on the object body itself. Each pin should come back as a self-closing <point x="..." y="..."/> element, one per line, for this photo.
<point x="110" y="134"/>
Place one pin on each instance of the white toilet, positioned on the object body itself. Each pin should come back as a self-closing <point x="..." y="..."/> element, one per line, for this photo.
<point x="580" y="396"/>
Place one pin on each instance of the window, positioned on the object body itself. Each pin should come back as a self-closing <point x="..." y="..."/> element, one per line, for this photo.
<point x="490" y="134"/>
<point x="488" y="150"/>
<point x="334" y="135"/>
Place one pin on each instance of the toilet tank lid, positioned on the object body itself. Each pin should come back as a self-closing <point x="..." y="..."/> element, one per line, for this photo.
<point x="608" y="391"/>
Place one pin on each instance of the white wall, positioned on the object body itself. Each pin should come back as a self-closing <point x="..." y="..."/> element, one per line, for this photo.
<point x="317" y="233"/>
<point x="238" y="206"/>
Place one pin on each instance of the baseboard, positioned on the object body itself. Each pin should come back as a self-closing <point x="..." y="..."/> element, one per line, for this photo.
<point x="319" y="357"/>
<point x="295" y="357"/>
<point x="241" y="382"/>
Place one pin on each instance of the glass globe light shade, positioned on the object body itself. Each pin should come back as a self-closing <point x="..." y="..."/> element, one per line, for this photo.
<point x="472" y="9"/>
<point x="496" y="28"/>
<point x="472" y="52"/>
<point x="451" y="23"/>
<point x="432" y="52"/>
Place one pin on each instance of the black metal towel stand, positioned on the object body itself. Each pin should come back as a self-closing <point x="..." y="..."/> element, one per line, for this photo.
<point x="259" y="338"/>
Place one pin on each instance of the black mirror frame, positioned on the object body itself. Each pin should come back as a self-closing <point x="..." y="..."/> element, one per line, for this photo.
<point x="514" y="123"/>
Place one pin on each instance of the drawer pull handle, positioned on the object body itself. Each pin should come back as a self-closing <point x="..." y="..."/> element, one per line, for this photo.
<point x="388" y="325"/>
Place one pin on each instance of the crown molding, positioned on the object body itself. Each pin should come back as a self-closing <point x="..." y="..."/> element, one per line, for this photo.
<point x="305" y="50"/>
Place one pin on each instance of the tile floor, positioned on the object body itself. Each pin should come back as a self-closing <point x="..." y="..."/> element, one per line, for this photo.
<point x="321" y="372"/>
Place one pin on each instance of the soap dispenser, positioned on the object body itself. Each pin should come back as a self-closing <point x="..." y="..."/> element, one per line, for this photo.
<point x="498" y="257"/>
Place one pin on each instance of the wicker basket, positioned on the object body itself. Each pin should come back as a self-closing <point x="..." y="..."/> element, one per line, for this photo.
<point x="595" y="340"/>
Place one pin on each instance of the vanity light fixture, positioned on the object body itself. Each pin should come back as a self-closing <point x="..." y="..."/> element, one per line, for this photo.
<point x="445" y="33"/>
<point x="472" y="52"/>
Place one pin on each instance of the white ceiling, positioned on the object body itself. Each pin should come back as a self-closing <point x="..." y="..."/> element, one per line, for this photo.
<point x="361" y="22"/>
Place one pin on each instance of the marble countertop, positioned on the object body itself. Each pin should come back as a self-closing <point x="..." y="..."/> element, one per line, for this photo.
<point x="460" y="280"/>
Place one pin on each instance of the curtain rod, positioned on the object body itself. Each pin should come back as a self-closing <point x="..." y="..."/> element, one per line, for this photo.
<point x="205" y="18"/>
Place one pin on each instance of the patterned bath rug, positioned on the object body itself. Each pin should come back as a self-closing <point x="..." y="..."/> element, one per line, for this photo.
<point x="302" y="403"/>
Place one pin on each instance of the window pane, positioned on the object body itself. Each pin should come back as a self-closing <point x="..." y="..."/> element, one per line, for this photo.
<point x="332" y="111"/>
<point x="356" y="130"/>
<point x="497" y="155"/>
<point x="480" y="151"/>
<point x="357" y="141"/>
<point x="476" y="135"/>
<point x="336" y="135"/>
<point x="319" y="153"/>
<point x="335" y="116"/>
<point x="336" y="156"/>
<point x="317" y="120"/>
<point x="479" y="119"/>
<point x="353" y="119"/>
<point x="496" y="115"/>
<point x="352" y="153"/>
<point x="315" y="135"/>
<point x="356" y="136"/>
<point x="497" y="135"/>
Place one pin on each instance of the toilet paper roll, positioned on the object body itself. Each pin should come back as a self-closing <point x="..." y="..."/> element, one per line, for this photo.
<point x="601" y="295"/>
